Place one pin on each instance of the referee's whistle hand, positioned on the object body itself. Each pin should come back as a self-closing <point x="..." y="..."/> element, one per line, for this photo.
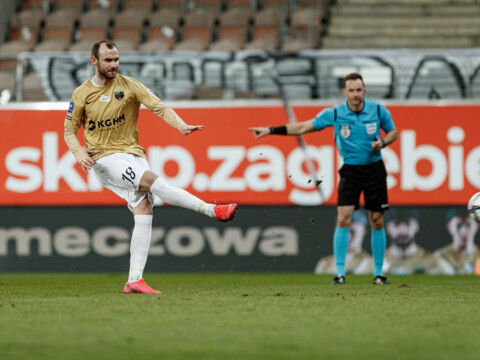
<point x="377" y="144"/>
<point x="259" y="132"/>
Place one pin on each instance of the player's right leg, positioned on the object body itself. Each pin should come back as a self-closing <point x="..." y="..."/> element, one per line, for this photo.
<point x="121" y="174"/>
<point x="139" y="246"/>
<point x="349" y="191"/>
<point x="182" y="198"/>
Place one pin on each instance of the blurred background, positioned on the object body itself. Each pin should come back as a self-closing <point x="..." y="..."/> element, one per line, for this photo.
<point x="223" y="49"/>
<point x="212" y="61"/>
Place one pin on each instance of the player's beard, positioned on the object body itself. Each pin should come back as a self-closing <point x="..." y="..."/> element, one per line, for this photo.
<point x="106" y="75"/>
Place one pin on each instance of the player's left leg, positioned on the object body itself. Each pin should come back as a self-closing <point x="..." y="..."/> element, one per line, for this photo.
<point x="139" y="246"/>
<point x="376" y="202"/>
<point x="378" y="240"/>
<point x="182" y="198"/>
<point x="340" y="241"/>
<point x="348" y="198"/>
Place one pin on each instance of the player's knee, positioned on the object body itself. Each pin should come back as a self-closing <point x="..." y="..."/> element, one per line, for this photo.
<point x="344" y="221"/>
<point x="376" y="220"/>
<point x="144" y="208"/>
<point x="147" y="181"/>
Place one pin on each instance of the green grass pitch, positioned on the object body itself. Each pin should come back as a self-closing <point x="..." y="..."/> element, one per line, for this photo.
<point x="238" y="316"/>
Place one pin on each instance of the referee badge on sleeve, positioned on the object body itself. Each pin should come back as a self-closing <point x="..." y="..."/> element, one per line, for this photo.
<point x="345" y="131"/>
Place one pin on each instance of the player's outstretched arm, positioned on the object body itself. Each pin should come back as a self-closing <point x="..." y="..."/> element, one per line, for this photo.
<point x="171" y="118"/>
<point x="289" y="129"/>
<point x="259" y="132"/>
<point x="188" y="129"/>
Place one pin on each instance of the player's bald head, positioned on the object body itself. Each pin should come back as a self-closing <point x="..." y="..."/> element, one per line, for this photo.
<point x="96" y="47"/>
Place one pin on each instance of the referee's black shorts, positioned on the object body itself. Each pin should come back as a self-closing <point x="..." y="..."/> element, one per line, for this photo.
<point x="371" y="179"/>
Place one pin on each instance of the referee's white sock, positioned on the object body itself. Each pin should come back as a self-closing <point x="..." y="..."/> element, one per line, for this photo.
<point x="179" y="197"/>
<point x="141" y="236"/>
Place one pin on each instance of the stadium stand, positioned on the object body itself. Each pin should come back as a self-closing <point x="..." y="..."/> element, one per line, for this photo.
<point x="387" y="24"/>
<point x="208" y="49"/>
<point x="58" y="31"/>
<point x="24" y="32"/>
<point x="93" y="25"/>
<point x="198" y="29"/>
<point x="76" y="6"/>
<point x="43" y="5"/>
<point x="233" y="29"/>
<point x="304" y="30"/>
<point x="33" y="88"/>
<point x="162" y="30"/>
<point x="128" y="28"/>
<point x="112" y="5"/>
<point x="266" y="32"/>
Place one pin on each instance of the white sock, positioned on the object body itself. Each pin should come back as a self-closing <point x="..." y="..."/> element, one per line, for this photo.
<point x="179" y="197"/>
<point x="141" y="236"/>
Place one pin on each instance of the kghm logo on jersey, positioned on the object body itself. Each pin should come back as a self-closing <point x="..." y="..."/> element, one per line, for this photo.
<point x="345" y="131"/>
<point x="119" y="94"/>
<point x="108" y="124"/>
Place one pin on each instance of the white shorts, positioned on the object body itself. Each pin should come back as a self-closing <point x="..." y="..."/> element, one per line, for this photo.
<point x="121" y="173"/>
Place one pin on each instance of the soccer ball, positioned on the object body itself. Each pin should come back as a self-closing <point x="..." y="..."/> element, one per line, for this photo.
<point x="474" y="207"/>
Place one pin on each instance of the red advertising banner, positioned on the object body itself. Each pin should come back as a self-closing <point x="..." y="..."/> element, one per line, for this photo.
<point x="435" y="160"/>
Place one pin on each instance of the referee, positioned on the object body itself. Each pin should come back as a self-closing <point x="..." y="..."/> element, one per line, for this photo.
<point x="357" y="124"/>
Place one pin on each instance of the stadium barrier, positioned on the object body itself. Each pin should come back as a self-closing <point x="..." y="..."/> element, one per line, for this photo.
<point x="54" y="216"/>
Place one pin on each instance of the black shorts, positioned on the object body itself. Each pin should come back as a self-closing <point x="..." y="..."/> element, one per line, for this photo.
<point x="371" y="179"/>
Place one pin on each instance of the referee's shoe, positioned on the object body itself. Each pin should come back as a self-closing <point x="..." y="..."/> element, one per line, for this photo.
<point x="338" y="280"/>
<point x="380" y="280"/>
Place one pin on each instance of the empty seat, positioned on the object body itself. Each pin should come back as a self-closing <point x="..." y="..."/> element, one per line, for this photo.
<point x="24" y="31"/>
<point x="213" y="6"/>
<point x="267" y="29"/>
<point x="247" y="4"/>
<point x="280" y="5"/>
<point x="174" y="5"/>
<point x="7" y="81"/>
<point x="230" y="38"/>
<point x="162" y="32"/>
<point x="194" y="39"/>
<point x="197" y="31"/>
<point x="44" y="5"/>
<point x="113" y="5"/>
<point x="32" y="89"/>
<point x="57" y="34"/>
<point x="304" y="30"/>
<point x="232" y="30"/>
<point x="128" y="29"/>
<point x="93" y="27"/>
<point x="265" y="38"/>
<point x="74" y="5"/>
<point x="143" y="5"/>
<point x="237" y="16"/>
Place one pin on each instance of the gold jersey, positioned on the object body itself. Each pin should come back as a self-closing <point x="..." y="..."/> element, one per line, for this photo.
<point x="109" y="115"/>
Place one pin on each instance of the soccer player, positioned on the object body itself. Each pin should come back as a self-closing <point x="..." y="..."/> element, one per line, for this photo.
<point x="357" y="124"/>
<point x="107" y="106"/>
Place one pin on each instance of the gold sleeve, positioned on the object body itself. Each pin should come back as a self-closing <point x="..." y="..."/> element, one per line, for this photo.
<point x="74" y="145"/>
<point x="168" y="115"/>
